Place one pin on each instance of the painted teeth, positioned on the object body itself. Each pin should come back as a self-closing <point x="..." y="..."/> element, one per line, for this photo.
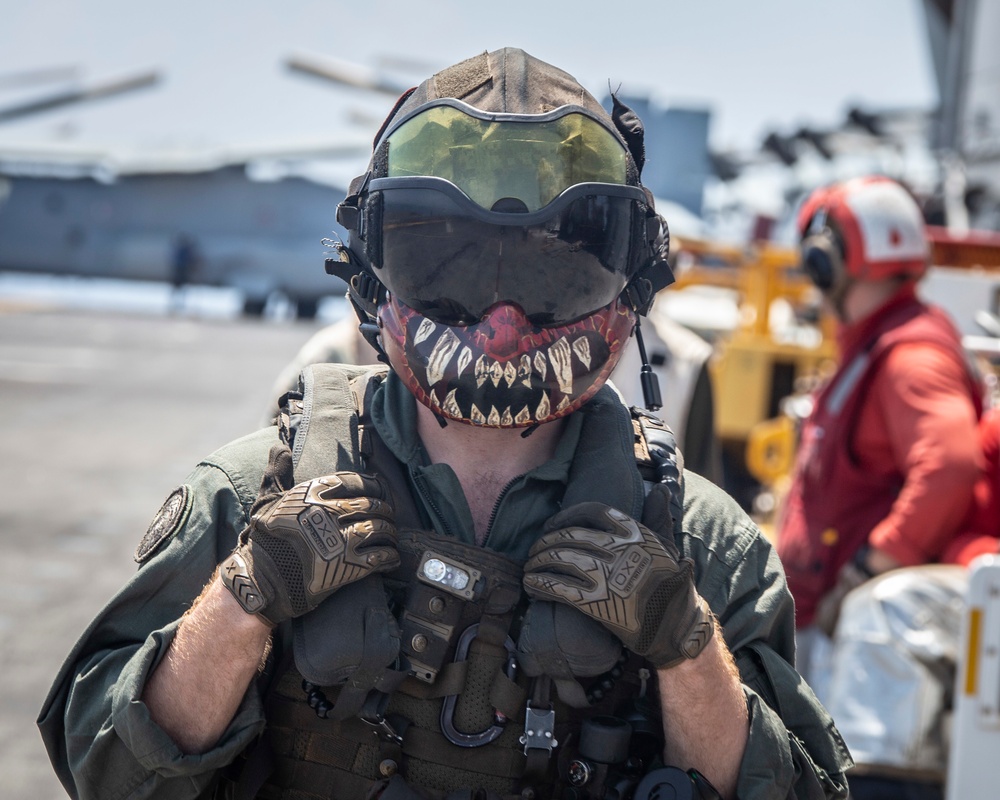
<point x="524" y="371"/>
<point x="496" y="373"/>
<point x="582" y="349"/>
<point x="444" y="349"/>
<point x="427" y="327"/>
<point x="510" y="373"/>
<point x="451" y="406"/>
<point x="464" y="359"/>
<point x="541" y="365"/>
<point x="559" y="357"/>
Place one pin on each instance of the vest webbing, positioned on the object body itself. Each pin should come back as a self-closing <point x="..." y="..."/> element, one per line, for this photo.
<point x="319" y="758"/>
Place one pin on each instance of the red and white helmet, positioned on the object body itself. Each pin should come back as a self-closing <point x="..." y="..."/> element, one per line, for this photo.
<point x="865" y="228"/>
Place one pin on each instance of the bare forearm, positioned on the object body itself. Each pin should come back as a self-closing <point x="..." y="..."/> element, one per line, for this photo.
<point x="705" y="716"/>
<point x="196" y="689"/>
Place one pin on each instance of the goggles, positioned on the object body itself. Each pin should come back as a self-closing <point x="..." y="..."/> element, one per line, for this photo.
<point x="477" y="209"/>
<point x="497" y="158"/>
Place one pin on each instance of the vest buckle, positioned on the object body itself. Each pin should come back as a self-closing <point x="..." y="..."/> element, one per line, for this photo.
<point x="539" y="730"/>
<point x="382" y="729"/>
<point x="373" y="715"/>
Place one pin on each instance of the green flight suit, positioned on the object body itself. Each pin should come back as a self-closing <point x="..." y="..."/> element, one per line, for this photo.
<point x="105" y="746"/>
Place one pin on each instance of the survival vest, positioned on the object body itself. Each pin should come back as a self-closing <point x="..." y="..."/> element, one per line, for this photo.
<point x="833" y="503"/>
<point x="400" y="681"/>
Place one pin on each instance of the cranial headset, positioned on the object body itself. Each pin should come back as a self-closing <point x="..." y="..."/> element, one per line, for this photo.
<point x="822" y="251"/>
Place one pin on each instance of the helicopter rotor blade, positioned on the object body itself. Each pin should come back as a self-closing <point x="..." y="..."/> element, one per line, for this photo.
<point x="79" y="95"/>
<point x="344" y="75"/>
<point x="34" y="77"/>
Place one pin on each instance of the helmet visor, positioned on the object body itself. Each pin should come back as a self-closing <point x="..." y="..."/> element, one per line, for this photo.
<point x="531" y="158"/>
<point x="451" y="260"/>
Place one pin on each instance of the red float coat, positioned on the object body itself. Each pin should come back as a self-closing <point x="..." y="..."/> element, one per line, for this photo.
<point x="889" y="455"/>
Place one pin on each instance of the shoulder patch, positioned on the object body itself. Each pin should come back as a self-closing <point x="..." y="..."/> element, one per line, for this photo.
<point x="168" y="519"/>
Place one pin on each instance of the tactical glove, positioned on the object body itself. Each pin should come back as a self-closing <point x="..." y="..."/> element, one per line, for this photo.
<point x="306" y="541"/>
<point x="619" y="572"/>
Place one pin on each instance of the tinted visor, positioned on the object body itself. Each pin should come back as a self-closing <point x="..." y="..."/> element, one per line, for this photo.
<point x="532" y="158"/>
<point x="451" y="260"/>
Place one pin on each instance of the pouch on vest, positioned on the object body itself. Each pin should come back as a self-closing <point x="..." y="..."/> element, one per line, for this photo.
<point x="332" y="648"/>
<point x="559" y="641"/>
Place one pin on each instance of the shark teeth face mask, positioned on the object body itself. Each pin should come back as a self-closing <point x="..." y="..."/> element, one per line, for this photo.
<point x="504" y="371"/>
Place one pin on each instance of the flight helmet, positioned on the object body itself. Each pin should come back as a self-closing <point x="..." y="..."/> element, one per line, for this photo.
<point x="866" y="228"/>
<point x="500" y="244"/>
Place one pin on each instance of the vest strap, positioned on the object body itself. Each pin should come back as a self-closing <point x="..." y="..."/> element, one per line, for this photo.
<point x="428" y="745"/>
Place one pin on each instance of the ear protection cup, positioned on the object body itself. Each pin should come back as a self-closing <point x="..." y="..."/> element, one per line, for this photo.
<point x="822" y="259"/>
<point x="822" y="252"/>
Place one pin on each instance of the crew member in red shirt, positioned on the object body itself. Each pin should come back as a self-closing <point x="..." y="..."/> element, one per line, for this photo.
<point x="889" y="455"/>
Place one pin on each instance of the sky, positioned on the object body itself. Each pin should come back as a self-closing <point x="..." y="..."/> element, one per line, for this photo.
<point x="758" y="66"/>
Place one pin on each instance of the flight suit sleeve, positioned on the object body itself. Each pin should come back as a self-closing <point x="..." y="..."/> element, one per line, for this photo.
<point x="794" y="749"/>
<point x="99" y="734"/>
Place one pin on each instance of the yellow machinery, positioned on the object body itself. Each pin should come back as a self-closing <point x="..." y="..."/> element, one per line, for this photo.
<point x="780" y="343"/>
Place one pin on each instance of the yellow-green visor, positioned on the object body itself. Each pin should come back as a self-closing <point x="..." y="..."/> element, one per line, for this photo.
<point x="506" y="162"/>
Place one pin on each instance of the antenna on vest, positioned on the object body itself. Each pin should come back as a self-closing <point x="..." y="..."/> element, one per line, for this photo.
<point x="647" y="378"/>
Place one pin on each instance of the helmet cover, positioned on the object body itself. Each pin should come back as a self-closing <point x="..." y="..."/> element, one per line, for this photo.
<point x="877" y="224"/>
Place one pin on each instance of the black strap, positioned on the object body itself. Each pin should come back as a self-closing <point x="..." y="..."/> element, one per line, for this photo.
<point x="537" y="761"/>
<point x="656" y="447"/>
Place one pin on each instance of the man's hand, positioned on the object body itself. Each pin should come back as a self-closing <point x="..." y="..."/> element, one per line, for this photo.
<point x="619" y="572"/>
<point x="306" y="541"/>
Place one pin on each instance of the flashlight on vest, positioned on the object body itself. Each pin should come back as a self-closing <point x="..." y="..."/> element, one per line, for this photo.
<point x="437" y="571"/>
<point x="449" y="575"/>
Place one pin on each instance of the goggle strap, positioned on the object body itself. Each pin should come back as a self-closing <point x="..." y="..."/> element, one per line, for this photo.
<point x="348" y="214"/>
<point x="367" y="291"/>
<point x="349" y="209"/>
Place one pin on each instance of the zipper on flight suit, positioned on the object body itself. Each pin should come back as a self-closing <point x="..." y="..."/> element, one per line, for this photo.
<point x="496" y="507"/>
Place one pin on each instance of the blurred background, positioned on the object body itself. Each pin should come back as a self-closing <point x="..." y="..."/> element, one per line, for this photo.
<point x="168" y="173"/>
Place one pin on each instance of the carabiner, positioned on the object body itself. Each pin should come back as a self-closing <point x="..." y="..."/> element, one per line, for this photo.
<point x="451" y="733"/>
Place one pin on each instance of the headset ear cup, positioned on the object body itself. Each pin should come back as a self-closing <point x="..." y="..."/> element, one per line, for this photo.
<point x="821" y="260"/>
